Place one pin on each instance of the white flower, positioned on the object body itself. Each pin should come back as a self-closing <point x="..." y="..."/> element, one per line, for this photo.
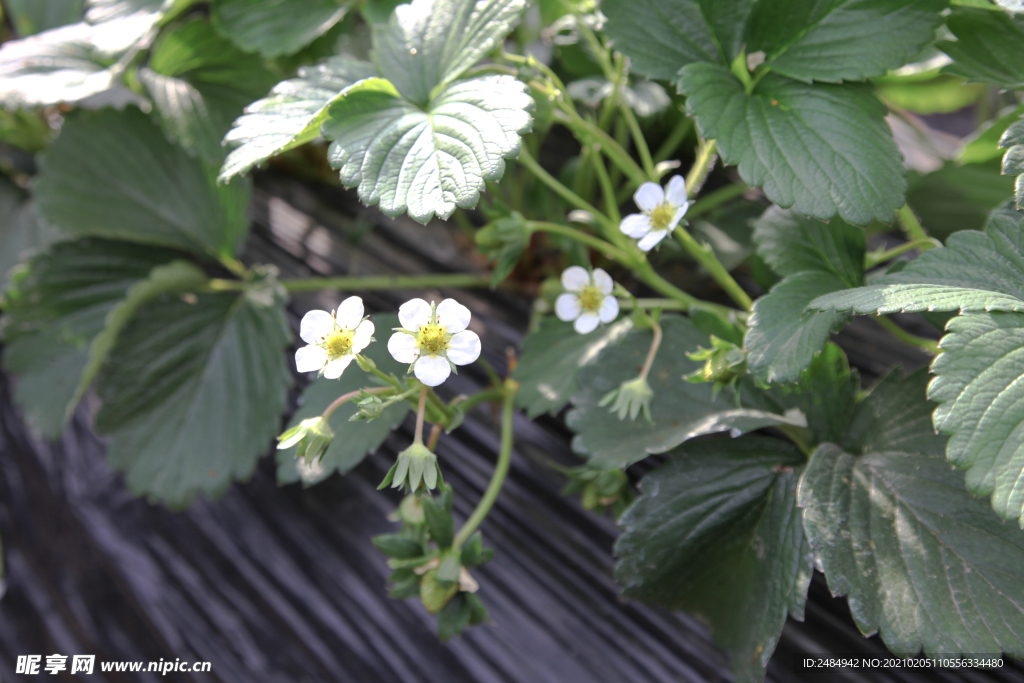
<point x="434" y="339"/>
<point x="334" y="338"/>
<point x="661" y="212"/>
<point x="588" y="299"/>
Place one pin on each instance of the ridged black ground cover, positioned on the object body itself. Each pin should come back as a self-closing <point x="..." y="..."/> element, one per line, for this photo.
<point x="283" y="584"/>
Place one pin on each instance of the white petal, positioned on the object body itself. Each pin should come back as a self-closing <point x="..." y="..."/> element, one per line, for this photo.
<point x="575" y="278"/>
<point x="350" y="312"/>
<point x="337" y="366"/>
<point x="603" y="281"/>
<point x="651" y="240"/>
<point x="432" y="370"/>
<point x="414" y="313"/>
<point x="452" y="316"/>
<point x="677" y="217"/>
<point x="636" y="225"/>
<point x="648" y="196"/>
<point x="314" y="325"/>
<point x="587" y="322"/>
<point x="364" y="334"/>
<point x="310" y="358"/>
<point x="464" y="348"/>
<point x="567" y="307"/>
<point x="609" y="309"/>
<point x="403" y="347"/>
<point x="675" y="191"/>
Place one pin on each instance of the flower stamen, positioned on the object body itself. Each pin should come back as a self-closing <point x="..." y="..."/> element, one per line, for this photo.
<point x="339" y="343"/>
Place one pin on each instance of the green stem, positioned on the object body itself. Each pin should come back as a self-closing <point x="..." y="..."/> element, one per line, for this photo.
<point x="701" y="166"/>
<point x="589" y="133"/>
<point x="527" y="160"/>
<point x="611" y="204"/>
<point x="928" y="345"/>
<point x="608" y="249"/>
<point x="653" y="351"/>
<point x="418" y="436"/>
<point x="647" y="274"/>
<point x="639" y="141"/>
<point x="485" y="396"/>
<point x="675" y="138"/>
<point x="713" y="200"/>
<point x="796" y="435"/>
<point x="345" y="398"/>
<point x="911" y="225"/>
<point x="386" y="378"/>
<point x="500" y="469"/>
<point x="649" y="304"/>
<point x="372" y="282"/>
<point x="873" y="259"/>
<point x="705" y="255"/>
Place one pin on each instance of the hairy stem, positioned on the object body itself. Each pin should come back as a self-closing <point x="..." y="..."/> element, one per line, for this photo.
<point x="639" y="141"/>
<point x="653" y="351"/>
<point x="912" y="226"/>
<point x="873" y="259"/>
<point x="372" y="282"/>
<point x="418" y="436"/>
<point x="435" y="434"/>
<point x="527" y="160"/>
<point x="713" y="200"/>
<point x="345" y="398"/>
<point x="928" y="345"/>
<point x="705" y="256"/>
<point x="500" y="469"/>
<point x="608" y="249"/>
<point x="649" y="304"/>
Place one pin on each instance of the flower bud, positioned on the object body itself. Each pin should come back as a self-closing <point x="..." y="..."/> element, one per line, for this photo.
<point x="313" y="437"/>
<point x="630" y="398"/>
<point x="416" y="466"/>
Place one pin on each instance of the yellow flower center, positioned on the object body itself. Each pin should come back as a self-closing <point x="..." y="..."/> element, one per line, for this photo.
<point x="662" y="216"/>
<point x="432" y="339"/>
<point x="591" y="298"/>
<point x="339" y="343"/>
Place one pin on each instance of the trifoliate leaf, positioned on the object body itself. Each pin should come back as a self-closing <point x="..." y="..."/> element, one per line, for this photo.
<point x="679" y="410"/>
<point x="827" y="41"/>
<point x="22" y="234"/>
<point x="114" y="174"/>
<point x="291" y="114"/>
<point x="551" y="358"/>
<point x="275" y="27"/>
<point x="976" y="271"/>
<point x="782" y="338"/>
<point x="197" y="393"/>
<point x="716" y="532"/>
<point x="922" y="561"/>
<point x="427" y="161"/>
<point x="825" y="393"/>
<point x="977" y="383"/>
<point x="36" y="16"/>
<point x="989" y="47"/>
<point x="200" y="83"/>
<point x="353" y="441"/>
<point x="823" y="149"/>
<point x="428" y="44"/>
<point x="791" y="243"/>
<point x="61" y="65"/>
<point x="54" y="311"/>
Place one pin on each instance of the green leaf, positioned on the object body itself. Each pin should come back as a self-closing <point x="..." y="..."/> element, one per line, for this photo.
<point x="1014" y="139"/>
<point x="428" y="44"/>
<point x="989" y="47"/>
<point x="977" y="382"/>
<point x="36" y="16"/>
<point x="22" y="234"/>
<point x="291" y="115"/>
<point x="782" y="338"/>
<point x="826" y="41"/>
<point x="441" y="527"/>
<point x="275" y="27"/>
<point x="353" y="441"/>
<point x="823" y="149"/>
<point x="717" y="533"/>
<point x="551" y="358"/>
<point x="429" y="161"/>
<point x="114" y="174"/>
<point x="921" y="560"/>
<point x="986" y="143"/>
<point x="397" y="546"/>
<point x="54" y="311"/>
<point x="120" y="24"/>
<point x="197" y="393"/>
<point x="200" y="83"/>
<point x="60" y="65"/>
<point x="976" y="271"/>
<point x="893" y="417"/>
<point x="791" y="243"/>
<point x="957" y="197"/>
<point x="680" y="410"/>
<point x="728" y="230"/>
<point x="825" y="392"/>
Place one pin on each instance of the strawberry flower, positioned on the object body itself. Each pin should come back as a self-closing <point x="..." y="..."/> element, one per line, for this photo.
<point x="587" y="300"/>
<point x="434" y="339"/>
<point x="661" y="211"/>
<point x="333" y="338"/>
